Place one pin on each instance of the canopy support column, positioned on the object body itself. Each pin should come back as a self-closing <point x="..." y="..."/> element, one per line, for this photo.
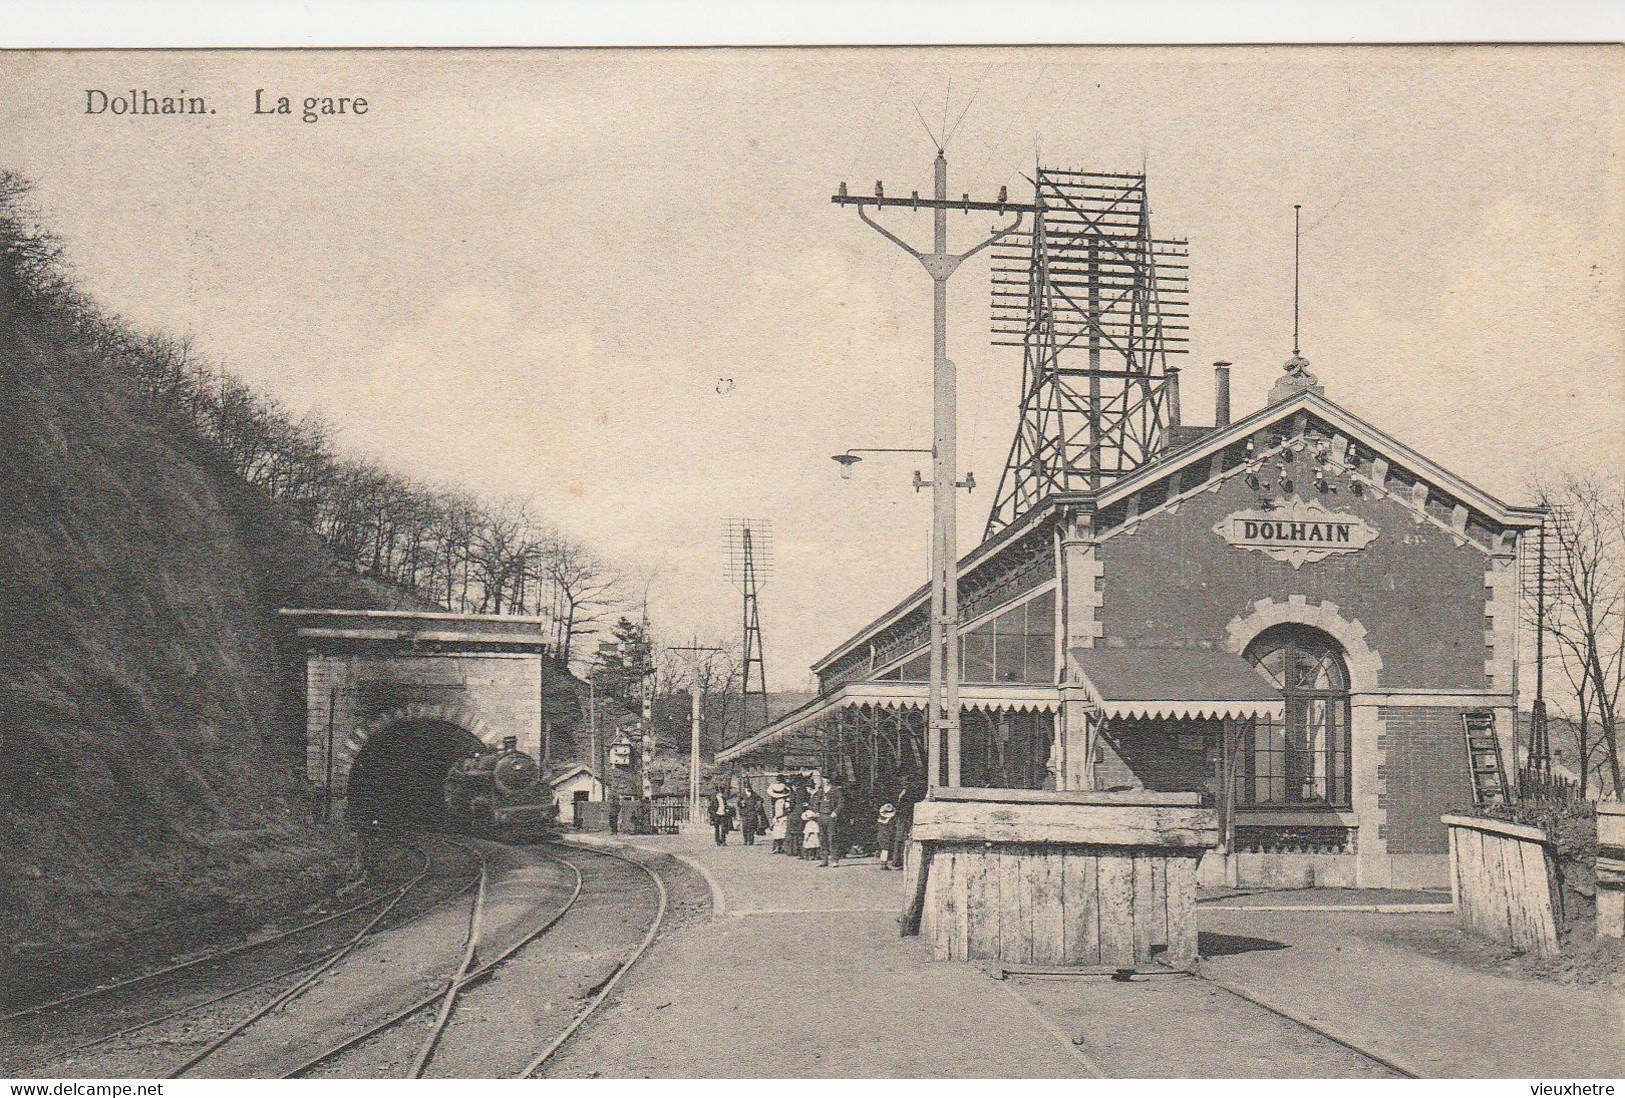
<point x="1076" y="728"/>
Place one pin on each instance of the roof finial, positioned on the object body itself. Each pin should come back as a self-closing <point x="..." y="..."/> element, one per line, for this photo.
<point x="1297" y="236"/>
<point x="1298" y="377"/>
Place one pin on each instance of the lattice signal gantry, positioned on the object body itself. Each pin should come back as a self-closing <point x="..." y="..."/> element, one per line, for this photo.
<point x="1097" y="303"/>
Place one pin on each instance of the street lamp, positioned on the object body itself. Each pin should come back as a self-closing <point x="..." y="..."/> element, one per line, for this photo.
<point x="944" y="663"/>
<point x="940" y="264"/>
<point x="851" y="458"/>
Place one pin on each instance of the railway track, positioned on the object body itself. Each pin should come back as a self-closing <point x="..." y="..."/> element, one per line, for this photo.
<point x="1108" y="1049"/>
<point x="592" y="895"/>
<point x="603" y="909"/>
<point x="315" y="973"/>
<point x="541" y="1058"/>
<point x="146" y="980"/>
<point x="172" y="994"/>
<point x="1320" y="1032"/>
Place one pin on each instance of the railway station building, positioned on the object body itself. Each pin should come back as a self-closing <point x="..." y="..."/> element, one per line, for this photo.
<point x="1289" y="614"/>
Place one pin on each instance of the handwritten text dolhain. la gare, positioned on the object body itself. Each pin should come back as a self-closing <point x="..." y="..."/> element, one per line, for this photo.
<point x="313" y="108"/>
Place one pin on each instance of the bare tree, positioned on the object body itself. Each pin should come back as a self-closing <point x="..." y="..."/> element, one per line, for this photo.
<point x="446" y="546"/>
<point x="1585" y="607"/>
<point x="586" y="590"/>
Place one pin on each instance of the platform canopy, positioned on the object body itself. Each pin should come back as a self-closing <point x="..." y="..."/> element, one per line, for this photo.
<point x="1174" y="683"/>
<point x="801" y="728"/>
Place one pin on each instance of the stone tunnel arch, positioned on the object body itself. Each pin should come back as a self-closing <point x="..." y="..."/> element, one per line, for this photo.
<point x="379" y="680"/>
<point x="397" y="777"/>
<point x="393" y="767"/>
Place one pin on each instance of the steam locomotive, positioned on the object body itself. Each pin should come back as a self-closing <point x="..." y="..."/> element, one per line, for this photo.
<point x="499" y="794"/>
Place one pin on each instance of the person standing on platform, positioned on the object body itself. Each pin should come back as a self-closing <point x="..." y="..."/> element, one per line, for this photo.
<point x="721" y="816"/>
<point x="750" y="815"/>
<point x="810" y="839"/>
<point x="798" y="805"/>
<point x="781" y="824"/>
<point x="829" y="802"/>
<point x="885" y="834"/>
<point x="904" y="824"/>
<point x="778" y="801"/>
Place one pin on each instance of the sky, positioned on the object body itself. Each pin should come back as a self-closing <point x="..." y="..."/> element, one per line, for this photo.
<point x="612" y="284"/>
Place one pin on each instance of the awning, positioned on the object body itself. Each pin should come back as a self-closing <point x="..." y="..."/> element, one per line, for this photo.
<point x="1174" y="682"/>
<point x="893" y="695"/>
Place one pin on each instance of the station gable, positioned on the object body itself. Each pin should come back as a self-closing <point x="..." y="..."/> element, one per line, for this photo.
<point x="1308" y="447"/>
<point x="1300" y="499"/>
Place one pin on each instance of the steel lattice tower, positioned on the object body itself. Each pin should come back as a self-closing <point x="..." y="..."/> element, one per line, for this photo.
<point x="750" y="564"/>
<point x="1087" y="294"/>
<point x="1540" y="588"/>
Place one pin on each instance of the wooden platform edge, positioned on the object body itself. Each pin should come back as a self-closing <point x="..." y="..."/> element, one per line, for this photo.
<point x="1114" y="825"/>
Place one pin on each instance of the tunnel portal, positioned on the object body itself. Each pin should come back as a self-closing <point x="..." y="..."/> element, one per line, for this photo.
<point x="398" y="778"/>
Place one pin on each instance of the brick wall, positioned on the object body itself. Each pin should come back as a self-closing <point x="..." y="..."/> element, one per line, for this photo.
<point x="1425" y="774"/>
<point x="1420" y="596"/>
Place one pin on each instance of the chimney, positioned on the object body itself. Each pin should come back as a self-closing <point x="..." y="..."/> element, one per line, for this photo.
<point x="1172" y="373"/>
<point x="1221" y="394"/>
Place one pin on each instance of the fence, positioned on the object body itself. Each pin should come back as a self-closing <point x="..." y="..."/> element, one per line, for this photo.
<point x="1544" y="787"/>
<point x="1504" y="884"/>
<point x="667" y="811"/>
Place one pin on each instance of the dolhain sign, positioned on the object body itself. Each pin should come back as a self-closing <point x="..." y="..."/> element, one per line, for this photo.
<point x="1296" y="532"/>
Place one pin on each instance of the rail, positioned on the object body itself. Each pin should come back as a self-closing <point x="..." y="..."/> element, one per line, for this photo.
<point x="609" y="985"/>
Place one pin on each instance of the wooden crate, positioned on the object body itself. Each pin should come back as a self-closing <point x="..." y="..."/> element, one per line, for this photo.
<point x="1503" y="883"/>
<point x="1058" y="878"/>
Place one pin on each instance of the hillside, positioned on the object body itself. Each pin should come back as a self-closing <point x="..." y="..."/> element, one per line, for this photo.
<point x="146" y="781"/>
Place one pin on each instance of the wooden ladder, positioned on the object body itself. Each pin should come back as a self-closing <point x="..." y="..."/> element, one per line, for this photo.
<point x="1484" y="764"/>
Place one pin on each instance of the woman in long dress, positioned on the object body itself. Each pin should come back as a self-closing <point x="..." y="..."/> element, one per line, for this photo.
<point x="781" y="823"/>
<point x="798" y="805"/>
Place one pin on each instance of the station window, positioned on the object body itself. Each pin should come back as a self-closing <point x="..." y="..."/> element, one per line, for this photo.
<point x="1305" y="759"/>
<point x="1016" y="646"/>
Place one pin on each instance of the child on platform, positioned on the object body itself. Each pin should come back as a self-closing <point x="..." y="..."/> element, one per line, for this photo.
<point x="809" y="835"/>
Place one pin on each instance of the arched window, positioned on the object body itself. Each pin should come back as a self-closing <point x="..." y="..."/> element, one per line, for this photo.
<point x="1305" y="760"/>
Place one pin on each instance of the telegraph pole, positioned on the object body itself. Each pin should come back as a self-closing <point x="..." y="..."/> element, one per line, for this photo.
<point x="646" y="692"/>
<point x="695" y="814"/>
<point x="942" y="714"/>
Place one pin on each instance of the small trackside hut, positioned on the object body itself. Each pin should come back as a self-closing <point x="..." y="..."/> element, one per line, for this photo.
<point x="1285" y="617"/>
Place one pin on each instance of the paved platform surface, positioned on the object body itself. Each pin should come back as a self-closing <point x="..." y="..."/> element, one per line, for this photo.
<point x="1369" y="979"/>
<point x="803" y="974"/>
